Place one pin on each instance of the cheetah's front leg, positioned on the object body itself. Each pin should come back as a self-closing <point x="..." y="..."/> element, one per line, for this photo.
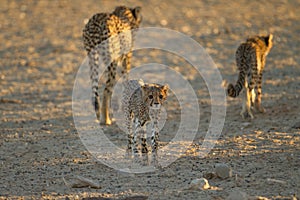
<point x="154" y="136"/>
<point x="136" y="134"/>
<point x="145" y="158"/>
<point x="129" y="132"/>
<point x="154" y="144"/>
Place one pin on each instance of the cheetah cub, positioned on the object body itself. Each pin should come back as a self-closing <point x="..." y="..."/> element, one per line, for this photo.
<point x="141" y="104"/>
<point x="109" y="36"/>
<point x="250" y="59"/>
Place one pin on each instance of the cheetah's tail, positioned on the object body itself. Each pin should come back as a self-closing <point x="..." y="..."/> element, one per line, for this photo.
<point x="234" y="90"/>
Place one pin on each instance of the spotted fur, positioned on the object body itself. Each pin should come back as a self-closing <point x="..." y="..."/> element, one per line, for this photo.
<point x="250" y="59"/>
<point x="108" y="40"/>
<point x="142" y="103"/>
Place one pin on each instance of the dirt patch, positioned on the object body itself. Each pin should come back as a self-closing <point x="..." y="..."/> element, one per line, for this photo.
<point x="41" y="51"/>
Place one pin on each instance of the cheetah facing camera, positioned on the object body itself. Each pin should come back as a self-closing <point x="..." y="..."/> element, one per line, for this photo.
<point x="141" y="104"/>
<point x="250" y="60"/>
<point x="108" y="39"/>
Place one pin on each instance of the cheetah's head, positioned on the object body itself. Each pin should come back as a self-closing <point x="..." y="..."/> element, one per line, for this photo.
<point x="133" y="15"/>
<point x="154" y="95"/>
<point x="136" y="12"/>
<point x="266" y="40"/>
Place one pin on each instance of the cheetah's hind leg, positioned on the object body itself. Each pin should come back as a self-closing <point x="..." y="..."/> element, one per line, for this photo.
<point x="107" y="93"/>
<point x="96" y="104"/>
<point x="257" y="103"/>
<point x="246" y="111"/>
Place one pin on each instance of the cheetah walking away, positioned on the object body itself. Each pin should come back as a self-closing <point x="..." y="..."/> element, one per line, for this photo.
<point x="109" y="36"/>
<point x="250" y="59"/>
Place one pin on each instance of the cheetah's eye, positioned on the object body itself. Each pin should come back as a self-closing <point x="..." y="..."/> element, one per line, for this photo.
<point x="150" y="96"/>
<point x="161" y="96"/>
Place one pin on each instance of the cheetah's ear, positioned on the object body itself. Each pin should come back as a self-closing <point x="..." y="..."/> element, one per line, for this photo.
<point x="268" y="40"/>
<point x="165" y="88"/>
<point x="137" y="13"/>
<point x="270" y="37"/>
<point x="141" y="82"/>
<point x="144" y="89"/>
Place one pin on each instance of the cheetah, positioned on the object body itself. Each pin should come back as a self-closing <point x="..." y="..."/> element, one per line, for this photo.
<point x="142" y="103"/>
<point x="108" y="39"/>
<point x="250" y="59"/>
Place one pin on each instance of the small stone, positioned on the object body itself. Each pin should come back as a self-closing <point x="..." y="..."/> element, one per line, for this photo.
<point x="81" y="182"/>
<point x="237" y="195"/>
<point x="296" y="125"/>
<point x="164" y="22"/>
<point x="210" y="175"/>
<point x="199" y="184"/>
<point x="223" y="171"/>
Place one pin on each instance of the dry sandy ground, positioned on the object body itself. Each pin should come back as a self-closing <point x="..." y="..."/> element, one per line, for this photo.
<point x="41" y="51"/>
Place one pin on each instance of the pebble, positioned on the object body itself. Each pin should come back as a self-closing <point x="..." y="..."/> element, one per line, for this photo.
<point x="199" y="184"/>
<point x="210" y="175"/>
<point x="223" y="171"/>
<point x="164" y="22"/>
<point x="296" y="125"/>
